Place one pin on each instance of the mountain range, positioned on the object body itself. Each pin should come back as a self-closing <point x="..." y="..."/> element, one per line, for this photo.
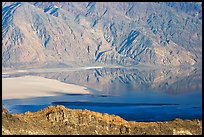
<point x="50" y="34"/>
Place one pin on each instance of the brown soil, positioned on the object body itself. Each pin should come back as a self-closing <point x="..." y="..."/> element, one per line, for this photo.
<point x="60" y="120"/>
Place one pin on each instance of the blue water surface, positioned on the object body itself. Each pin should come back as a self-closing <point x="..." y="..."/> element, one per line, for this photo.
<point x="131" y="94"/>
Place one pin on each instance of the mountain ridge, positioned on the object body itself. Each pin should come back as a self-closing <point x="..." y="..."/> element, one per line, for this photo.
<point x="83" y="34"/>
<point x="58" y="120"/>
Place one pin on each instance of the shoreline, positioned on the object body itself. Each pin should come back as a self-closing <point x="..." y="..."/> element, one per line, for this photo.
<point x="64" y="69"/>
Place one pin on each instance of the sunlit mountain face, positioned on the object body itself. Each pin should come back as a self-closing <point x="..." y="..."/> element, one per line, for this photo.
<point x="44" y="34"/>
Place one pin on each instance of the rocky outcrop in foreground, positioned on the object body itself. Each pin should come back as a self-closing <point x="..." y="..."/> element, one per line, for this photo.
<point x="61" y="120"/>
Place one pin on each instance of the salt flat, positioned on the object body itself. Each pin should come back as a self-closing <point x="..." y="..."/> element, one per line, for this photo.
<point x="51" y="69"/>
<point x="35" y="86"/>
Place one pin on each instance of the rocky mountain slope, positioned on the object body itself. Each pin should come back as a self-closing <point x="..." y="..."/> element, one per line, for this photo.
<point x="78" y="34"/>
<point x="58" y="120"/>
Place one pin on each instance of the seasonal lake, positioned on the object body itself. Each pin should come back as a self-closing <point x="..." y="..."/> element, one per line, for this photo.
<point x="135" y="94"/>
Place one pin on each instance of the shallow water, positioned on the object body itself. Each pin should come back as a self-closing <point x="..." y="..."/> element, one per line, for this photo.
<point x="138" y="94"/>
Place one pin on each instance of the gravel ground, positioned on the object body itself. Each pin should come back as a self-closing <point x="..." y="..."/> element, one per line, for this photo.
<point x="58" y="120"/>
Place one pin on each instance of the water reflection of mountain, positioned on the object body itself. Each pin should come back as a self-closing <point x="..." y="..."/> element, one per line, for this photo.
<point x="118" y="80"/>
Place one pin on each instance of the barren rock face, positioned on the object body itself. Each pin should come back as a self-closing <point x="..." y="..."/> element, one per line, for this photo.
<point x="60" y="120"/>
<point x="77" y="34"/>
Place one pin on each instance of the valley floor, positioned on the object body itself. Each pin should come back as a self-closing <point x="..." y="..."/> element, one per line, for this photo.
<point x="34" y="86"/>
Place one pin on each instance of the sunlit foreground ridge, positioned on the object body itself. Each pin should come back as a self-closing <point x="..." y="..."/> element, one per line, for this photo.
<point x="57" y="120"/>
